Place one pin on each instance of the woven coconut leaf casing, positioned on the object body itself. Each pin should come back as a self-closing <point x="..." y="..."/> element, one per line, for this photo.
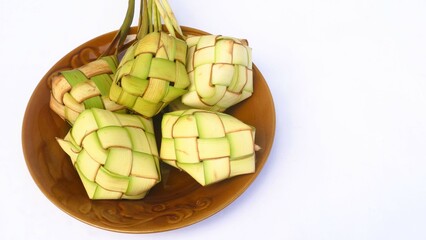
<point x="114" y="154"/>
<point x="220" y="71"/>
<point x="151" y="74"/>
<point x="82" y="88"/>
<point x="209" y="146"/>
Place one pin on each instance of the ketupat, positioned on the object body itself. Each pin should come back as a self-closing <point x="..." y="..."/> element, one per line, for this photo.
<point x="82" y="88"/>
<point x="219" y="69"/>
<point x="115" y="154"/>
<point x="209" y="146"/>
<point x="152" y="72"/>
<point x="73" y="91"/>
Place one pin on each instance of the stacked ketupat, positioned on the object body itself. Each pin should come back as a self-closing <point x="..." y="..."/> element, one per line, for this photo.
<point x="115" y="153"/>
<point x="197" y="138"/>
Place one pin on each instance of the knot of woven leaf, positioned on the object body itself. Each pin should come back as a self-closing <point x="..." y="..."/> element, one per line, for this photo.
<point x="155" y="13"/>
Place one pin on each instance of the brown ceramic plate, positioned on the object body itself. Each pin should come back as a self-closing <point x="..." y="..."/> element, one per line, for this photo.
<point x="176" y="202"/>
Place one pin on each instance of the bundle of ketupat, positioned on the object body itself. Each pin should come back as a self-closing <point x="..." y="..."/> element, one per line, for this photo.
<point x="112" y="143"/>
<point x="204" y="143"/>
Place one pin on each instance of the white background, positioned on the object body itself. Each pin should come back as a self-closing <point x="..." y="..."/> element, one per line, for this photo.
<point x="348" y="79"/>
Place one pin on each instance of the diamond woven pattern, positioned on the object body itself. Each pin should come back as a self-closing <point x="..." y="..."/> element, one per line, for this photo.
<point x="151" y="74"/>
<point x="78" y="89"/>
<point x="220" y="71"/>
<point x="114" y="154"/>
<point x="209" y="145"/>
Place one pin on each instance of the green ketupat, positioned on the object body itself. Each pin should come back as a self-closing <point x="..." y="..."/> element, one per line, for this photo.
<point x="82" y="88"/>
<point x="152" y="72"/>
<point x="220" y="71"/>
<point x="209" y="146"/>
<point x="114" y="154"/>
<point x="85" y="87"/>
